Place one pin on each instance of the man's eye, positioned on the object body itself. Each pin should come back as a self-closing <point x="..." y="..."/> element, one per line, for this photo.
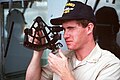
<point x="70" y="28"/>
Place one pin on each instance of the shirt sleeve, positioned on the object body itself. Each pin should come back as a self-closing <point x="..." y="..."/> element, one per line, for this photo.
<point x="110" y="72"/>
<point x="46" y="73"/>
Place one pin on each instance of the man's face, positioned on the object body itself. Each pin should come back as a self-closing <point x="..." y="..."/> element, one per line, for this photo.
<point x="75" y="35"/>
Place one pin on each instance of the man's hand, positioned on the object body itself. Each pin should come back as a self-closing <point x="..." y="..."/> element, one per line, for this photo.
<point x="34" y="69"/>
<point x="37" y="34"/>
<point x="59" y="65"/>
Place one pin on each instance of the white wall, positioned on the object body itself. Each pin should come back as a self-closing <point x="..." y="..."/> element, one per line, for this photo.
<point x="55" y="9"/>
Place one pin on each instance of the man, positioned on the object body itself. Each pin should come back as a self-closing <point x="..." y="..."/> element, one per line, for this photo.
<point x="85" y="60"/>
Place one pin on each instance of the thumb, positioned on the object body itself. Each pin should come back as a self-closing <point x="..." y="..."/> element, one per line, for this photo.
<point x="61" y="54"/>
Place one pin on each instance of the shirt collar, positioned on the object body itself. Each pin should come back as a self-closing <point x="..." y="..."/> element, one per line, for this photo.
<point x="93" y="57"/>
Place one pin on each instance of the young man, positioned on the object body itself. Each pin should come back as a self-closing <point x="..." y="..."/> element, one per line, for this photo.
<point x="85" y="60"/>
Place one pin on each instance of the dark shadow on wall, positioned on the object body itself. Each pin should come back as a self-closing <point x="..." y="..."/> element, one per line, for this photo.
<point x="107" y="28"/>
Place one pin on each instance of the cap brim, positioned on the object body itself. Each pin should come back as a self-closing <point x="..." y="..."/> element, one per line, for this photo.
<point x="60" y="20"/>
<point x="57" y="21"/>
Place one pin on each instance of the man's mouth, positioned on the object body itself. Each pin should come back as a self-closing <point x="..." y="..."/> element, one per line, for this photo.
<point x="68" y="42"/>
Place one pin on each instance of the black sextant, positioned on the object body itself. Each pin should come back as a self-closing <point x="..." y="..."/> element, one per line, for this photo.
<point x="51" y="35"/>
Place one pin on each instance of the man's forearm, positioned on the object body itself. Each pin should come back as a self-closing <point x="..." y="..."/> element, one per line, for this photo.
<point x="34" y="69"/>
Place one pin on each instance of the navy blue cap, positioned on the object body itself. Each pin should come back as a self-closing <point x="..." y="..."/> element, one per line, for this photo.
<point x="75" y="10"/>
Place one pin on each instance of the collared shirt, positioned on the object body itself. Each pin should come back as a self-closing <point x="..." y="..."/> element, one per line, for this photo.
<point x="98" y="65"/>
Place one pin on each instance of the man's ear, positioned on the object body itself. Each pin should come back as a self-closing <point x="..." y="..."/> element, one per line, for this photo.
<point x="90" y="27"/>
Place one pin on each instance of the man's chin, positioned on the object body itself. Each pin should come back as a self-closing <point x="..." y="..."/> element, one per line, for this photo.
<point x="70" y="48"/>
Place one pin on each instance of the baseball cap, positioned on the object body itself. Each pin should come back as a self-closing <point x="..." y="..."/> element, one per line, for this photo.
<point x="75" y="10"/>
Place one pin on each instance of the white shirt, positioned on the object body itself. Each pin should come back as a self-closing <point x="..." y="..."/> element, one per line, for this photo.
<point x="98" y="65"/>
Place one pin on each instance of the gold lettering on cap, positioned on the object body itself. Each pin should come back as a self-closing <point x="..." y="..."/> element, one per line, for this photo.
<point x="70" y="4"/>
<point x="69" y="7"/>
<point x="67" y="10"/>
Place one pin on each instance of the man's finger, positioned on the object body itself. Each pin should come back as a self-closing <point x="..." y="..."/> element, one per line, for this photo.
<point x="61" y="54"/>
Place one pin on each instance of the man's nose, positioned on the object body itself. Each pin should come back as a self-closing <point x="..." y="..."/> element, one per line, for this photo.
<point x="66" y="34"/>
